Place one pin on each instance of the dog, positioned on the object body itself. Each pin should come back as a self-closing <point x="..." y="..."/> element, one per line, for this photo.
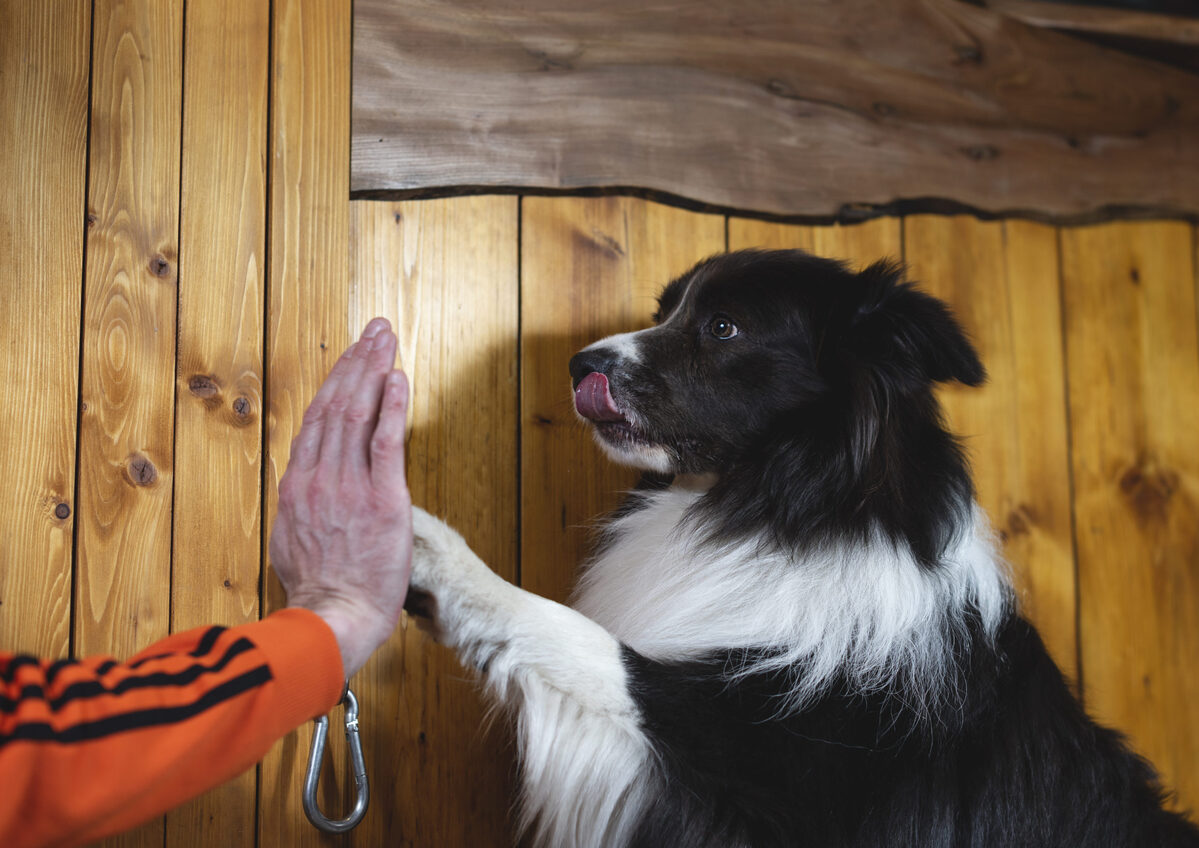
<point x="797" y="631"/>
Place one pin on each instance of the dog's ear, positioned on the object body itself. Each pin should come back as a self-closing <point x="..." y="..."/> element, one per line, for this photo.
<point x="895" y="325"/>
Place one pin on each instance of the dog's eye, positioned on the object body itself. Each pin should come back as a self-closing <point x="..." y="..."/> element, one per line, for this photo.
<point x="722" y="327"/>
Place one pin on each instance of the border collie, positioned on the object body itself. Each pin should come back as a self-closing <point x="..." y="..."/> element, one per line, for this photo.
<point x="798" y="630"/>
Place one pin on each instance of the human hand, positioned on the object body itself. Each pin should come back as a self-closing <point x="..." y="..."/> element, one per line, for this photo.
<point x="341" y="544"/>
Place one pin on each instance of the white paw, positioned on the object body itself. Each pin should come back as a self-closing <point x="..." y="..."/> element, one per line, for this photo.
<point x="447" y="576"/>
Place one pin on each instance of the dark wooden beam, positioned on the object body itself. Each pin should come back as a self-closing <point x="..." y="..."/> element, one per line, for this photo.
<point x="784" y="108"/>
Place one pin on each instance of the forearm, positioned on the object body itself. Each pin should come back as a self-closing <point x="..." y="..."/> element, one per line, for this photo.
<point x="94" y="747"/>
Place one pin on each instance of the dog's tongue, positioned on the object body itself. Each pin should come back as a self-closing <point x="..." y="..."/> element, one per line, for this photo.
<point x="594" y="401"/>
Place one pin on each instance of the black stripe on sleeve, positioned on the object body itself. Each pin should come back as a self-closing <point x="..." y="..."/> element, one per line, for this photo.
<point x="152" y="657"/>
<point x="55" y="668"/>
<point x="7" y="705"/>
<point x="17" y="662"/>
<point x="140" y="719"/>
<point x="158" y="679"/>
<point x="207" y="641"/>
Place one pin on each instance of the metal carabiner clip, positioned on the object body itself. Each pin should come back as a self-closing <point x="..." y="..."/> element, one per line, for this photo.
<point x="317" y="755"/>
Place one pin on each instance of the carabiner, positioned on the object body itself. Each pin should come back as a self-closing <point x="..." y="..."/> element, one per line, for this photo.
<point x="317" y="755"/>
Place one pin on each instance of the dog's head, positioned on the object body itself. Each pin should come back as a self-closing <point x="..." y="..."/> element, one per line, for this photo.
<point x="754" y="346"/>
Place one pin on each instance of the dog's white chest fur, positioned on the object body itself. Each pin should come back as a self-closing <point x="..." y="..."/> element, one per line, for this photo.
<point x="866" y="609"/>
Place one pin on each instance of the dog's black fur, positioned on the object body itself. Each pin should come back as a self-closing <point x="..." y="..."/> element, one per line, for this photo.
<point x="816" y="414"/>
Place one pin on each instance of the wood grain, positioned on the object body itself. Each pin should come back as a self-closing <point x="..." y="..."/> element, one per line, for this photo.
<point x="1134" y="397"/>
<point x="44" y="54"/>
<point x="129" y="328"/>
<point x="307" y="304"/>
<point x="445" y="273"/>
<point x="1001" y="279"/>
<point x="1097" y="19"/>
<point x="589" y="267"/>
<point x="218" y="425"/>
<point x="785" y="108"/>
<point x="126" y="463"/>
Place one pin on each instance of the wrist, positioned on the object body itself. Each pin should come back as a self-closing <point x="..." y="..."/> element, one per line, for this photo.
<point x="353" y="630"/>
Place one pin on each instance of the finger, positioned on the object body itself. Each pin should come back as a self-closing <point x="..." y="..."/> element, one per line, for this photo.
<point x="387" y="444"/>
<point x="333" y="438"/>
<point x="363" y="411"/>
<point x="305" y="450"/>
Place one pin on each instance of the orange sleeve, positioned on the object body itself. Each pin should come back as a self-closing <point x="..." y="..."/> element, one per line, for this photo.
<point x="92" y="747"/>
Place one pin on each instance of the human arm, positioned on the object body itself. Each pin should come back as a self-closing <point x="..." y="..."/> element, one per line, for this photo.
<point x="92" y="747"/>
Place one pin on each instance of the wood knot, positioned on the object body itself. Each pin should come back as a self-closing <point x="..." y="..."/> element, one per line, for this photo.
<point x="62" y="511"/>
<point x="1020" y="521"/>
<point x="228" y="585"/>
<point x="967" y="54"/>
<point x="598" y="242"/>
<point x="141" y="471"/>
<point x="243" y="411"/>
<point x="546" y="62"/>
<point x="1148" y="489"/>
<point x="1135" y="276"/>
<point x="159" y="266"/>
<point x="91" y="219"/>
<point x="203" y="386"/>
<point x="779" y="88"/>
<point x="883" y="110"/>
<point x="980" y="152"/>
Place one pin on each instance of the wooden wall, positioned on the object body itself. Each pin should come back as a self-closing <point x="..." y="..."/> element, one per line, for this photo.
<point x="790" y="108"/>
<point x="181" y="266"/>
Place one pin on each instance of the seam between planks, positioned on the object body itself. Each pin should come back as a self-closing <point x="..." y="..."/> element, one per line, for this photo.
<point x="87" y="175"/>
<point x="1080" y="691"/>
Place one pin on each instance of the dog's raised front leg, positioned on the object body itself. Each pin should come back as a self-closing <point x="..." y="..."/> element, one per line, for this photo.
<point x="584" y="757"/>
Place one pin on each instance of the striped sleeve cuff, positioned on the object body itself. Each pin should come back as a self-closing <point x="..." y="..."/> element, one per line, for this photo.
<point x="305" y="662"/>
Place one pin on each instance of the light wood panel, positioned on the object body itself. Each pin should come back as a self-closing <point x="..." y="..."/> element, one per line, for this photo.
<point x="1132" y="357"/>
<point x="44" y="53"/>
<point x="792" y="108"/>
<point x="589" y="267"/>
<point x="445" y="273"/>
<point x="126" y="464"/>
<point x="218" y="427"/>
<point x="859" y="244"/>
<point x="129" y="328"/>
<point x="1001" y="279"/>
<point x="307" y="304"/>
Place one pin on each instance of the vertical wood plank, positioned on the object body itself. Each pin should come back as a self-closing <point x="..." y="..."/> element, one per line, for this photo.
<point x="860" y="244"/>
<point x="445" y="273"/>
<point x="307" y="303"/>
<point x="1001" y="279"/>
<point x="128" y="363"/>
<point x="589" y="267"/>
<point x="1133" y="363"/>
<point x="44" y="52"/>
<point x="218" y="429"/>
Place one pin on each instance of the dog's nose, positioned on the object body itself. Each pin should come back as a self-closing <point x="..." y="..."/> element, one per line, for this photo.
<point x="590" y="360"/>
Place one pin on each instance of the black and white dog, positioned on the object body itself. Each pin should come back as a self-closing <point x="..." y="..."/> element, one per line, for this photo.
<point x="798" y="632"/>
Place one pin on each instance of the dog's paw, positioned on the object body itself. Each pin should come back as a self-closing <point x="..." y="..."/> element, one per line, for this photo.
<point x="444" y="572"/>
